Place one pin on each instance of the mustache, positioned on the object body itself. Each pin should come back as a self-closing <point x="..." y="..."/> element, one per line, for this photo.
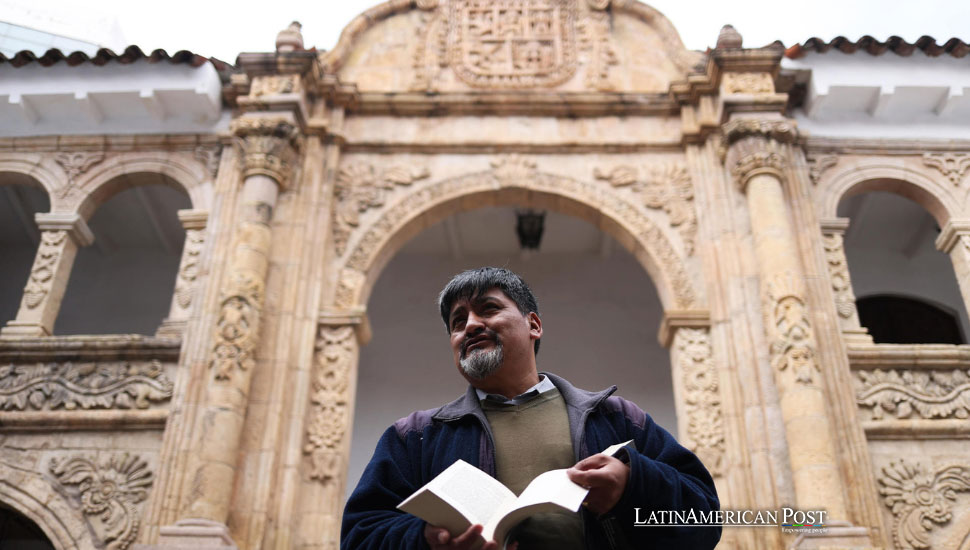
<point x="486" y="334"/>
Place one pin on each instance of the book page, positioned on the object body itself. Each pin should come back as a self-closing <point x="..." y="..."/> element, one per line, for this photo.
<point x="469" y="491"/>
<point x="549" y="491"/>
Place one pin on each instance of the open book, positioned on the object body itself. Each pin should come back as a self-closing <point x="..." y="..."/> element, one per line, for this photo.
<point x="463" y="495"/>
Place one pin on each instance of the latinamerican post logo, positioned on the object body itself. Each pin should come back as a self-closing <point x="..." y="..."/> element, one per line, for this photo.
<point x="790" y="520"/>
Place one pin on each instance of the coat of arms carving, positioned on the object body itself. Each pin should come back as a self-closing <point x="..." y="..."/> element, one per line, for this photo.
<point x="512" y="43"/>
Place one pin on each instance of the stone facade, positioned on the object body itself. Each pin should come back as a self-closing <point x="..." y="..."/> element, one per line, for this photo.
<point x="231" y="426"/>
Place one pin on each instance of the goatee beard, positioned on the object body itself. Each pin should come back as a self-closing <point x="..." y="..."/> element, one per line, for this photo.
<point x="480" y="364"/>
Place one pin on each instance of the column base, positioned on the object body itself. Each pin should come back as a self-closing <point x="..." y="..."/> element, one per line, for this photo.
<point x="192" y="534"/>
<point x="837" y="536"/>
<point x="23" y="329"/>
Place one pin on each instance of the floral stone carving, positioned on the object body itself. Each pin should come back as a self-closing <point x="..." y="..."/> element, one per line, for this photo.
<point x="919" y="500"/>
<point x="238" y="325"/>
<point x="361" y="187"/>
<point x="189" y="270"/>
<point x="913" y="393"/>
<point x="705" y="427"/>
<point x="75" y="163"/>
<point x="109" y="491"/>
<point x="839" y="274"/>
<point x="42" y="273"/>
<point x="665" y="186"/>
<point x="106" y="385"/>
<point x="951" y="165"/>
<point x="330" y="414"/>
<point x="793" y="344"/>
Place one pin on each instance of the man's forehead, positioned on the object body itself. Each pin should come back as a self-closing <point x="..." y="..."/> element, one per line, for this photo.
<point x="494" y="292"/>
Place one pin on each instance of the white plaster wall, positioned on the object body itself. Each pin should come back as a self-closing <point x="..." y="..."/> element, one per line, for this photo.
<point x="600" y="320"/>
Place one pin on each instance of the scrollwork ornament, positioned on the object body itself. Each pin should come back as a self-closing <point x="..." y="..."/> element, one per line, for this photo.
<point x="237" y="327"/>
<point x="839" y="274"/>
<point x="109" y="491"/>
<point x="705" y="426"/>
<point x="951" y="165"/>
<point x="275" y="85"/>
<point x="188" y="273"/>
<point x="75" y="163"/>
<point x="780" y="130"/>
<point x="513" y="170"/>
<point x="911" y="393"/>
<point x="748" y="83"/>
<point x="330" y="409"/>
<point x="919" y="499"/>
<point x="42" y="273"/>
<point x="819" y="165"/>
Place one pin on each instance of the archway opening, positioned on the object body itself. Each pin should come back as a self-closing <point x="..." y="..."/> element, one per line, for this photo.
<point x="600" y="313"/>
<point x="890" y="250"/>
<point x="902" y="320"/>
<point x="19" y="533"/>
<point x="123" y="283"/>
<point x="20" y="198"/>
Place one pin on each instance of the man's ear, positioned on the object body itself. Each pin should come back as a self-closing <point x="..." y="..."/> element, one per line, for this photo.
<point x="535" y="325"/>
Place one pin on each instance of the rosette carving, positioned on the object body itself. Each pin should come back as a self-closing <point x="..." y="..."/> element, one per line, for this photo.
<point x="109" y="491"/>
<point x="919" y="499"/>
<point x="913" y="393"/>
<point x="267" y="146"/>
<point x="705" y="425"/>
<point x="104" y="385"/>
<point x="330" y="410"/>
<point x="663" y="186"/>
<point x="42" y="273"/>
<point x="361" y="187"/>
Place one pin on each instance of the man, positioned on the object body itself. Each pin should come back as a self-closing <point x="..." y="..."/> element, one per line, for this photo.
<point x="515" y="423"/>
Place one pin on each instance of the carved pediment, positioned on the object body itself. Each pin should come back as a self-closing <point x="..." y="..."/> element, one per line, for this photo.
<point x="511" y="45"/>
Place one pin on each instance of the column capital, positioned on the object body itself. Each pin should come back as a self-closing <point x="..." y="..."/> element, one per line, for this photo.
<point x="755" y="145"/>
<point x="267" y="145"/>
<point x="193" y="219"/>
<point x="678" y="319"/>
<point x="834" y="225"/>
<point x="355" y="317"/>
<point x="951" y="233"/>
<point x="71" y="222"/>
<point x="781" y="130"/>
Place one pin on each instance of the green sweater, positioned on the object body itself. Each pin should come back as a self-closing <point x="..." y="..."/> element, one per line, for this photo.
<point x="532" y="438"/>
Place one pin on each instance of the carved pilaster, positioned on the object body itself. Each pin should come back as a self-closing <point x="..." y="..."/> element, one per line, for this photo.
<point x="833" y="232"/>
<point x="61" y="235"/>
<point x="108" y="492"/>
<point x="700" y="398"/>
<point x="194" y="222"/>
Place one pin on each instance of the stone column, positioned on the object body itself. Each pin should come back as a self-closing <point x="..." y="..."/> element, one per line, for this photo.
<point x="61" y="235"/>
<point x="193" y="221"/>
<point x="833" y="233"/>
<point x="267" y="150"/>
<point x="954" y="239"/>
<point x="758" y="159"/>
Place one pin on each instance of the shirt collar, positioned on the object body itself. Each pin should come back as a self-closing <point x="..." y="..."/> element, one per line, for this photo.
<point x="544" y="385"/>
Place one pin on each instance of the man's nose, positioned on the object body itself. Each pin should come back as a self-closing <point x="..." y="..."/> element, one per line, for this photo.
<point x="474" y="323"/>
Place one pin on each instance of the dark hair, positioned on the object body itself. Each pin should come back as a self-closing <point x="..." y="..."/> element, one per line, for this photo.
<point x="475" y="282"/>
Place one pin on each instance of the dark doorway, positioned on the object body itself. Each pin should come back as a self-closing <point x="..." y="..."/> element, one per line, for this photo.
<point x="19" y="533"/>
<point x="900" y="320"/>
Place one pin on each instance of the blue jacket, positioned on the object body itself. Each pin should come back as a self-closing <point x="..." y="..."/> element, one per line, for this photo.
<point x="663" y="474"/>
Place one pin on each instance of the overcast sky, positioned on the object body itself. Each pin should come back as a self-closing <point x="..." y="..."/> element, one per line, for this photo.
<point x="223" y="29"/>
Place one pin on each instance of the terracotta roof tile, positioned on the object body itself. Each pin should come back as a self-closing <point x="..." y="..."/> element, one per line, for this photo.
<point x="104" y="55"/>
<point x="927" y="44"/>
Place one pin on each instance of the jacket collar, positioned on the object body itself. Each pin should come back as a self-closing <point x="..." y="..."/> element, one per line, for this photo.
<point x="578" y="401"/>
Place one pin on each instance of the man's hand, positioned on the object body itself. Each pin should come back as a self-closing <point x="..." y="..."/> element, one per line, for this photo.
<point x="440" y="539"/>
<point x="606" y="478"/>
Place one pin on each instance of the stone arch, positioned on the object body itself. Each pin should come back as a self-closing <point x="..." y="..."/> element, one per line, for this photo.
<point x="36" y="500"/>
<point x="182" y="172"/>
<point x="423" y="207"/>
<point x="36" y="170"/>
<point x="892" y="178"/>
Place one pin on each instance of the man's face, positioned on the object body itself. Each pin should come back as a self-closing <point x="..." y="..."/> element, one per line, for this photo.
<point x="489" y="331"/>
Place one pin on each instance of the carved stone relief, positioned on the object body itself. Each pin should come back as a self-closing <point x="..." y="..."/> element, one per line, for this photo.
<point x="819" y="165"/>
<point x="909" y="393"/>
<point x="503" y="44"/>
<point x="919" y="499"/>
<point x="705" y="427"/>
<point x="89" y="385"/>
<point x="330" y="411"/>
<point x="839" y="274"/>
<point x="951" y="165"/>
<point x="109" y="491"/>
<point x="512" y="171"/>
<point x="361" y="187"/>
<point x="189" y="270"/>
<point x="236" y="329"/>
<point x="747" y="83"/>
<point x="209" y="156"/>
<point x="267" y="146"/>
<point x="42" y="273"/>
<point x="665" y="186"/>
<point x="74" y="164"/>
<point x="275" y="84"/>
<point x="792" y="344"/>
